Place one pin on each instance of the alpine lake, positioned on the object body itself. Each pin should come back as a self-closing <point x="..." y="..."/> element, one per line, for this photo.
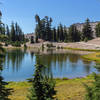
<point x="19" y="64"/>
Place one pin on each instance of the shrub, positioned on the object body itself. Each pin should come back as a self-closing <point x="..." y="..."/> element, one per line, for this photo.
<point x="64" y="78"/>
<point x="49" y="45"/>
<point x="86" y="40"/>
<point x="25" y="46"/>
<point x="6" y="44"/>
<point x="16" y="44"/>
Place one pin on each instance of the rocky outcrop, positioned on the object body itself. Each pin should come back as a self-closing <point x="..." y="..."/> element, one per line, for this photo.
<point x="93" y="25"/>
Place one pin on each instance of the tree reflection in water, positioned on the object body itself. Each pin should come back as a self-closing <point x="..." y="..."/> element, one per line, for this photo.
<point x="15" y="57"/>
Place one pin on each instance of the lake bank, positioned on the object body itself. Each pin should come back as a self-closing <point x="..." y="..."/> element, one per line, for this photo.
<point x="91" y="45"/>
<point x="92" y="57"/>
<point x="72" y="89"/>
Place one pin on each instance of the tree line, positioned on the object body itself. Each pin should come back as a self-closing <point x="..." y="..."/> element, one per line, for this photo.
<point x="14" y="33"/>
<point x="11" y="35"/>
<point x="61" y="33"/>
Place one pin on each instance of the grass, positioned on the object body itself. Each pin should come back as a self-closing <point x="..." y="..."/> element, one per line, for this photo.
<point x="93" y="56"/>
<point x="79" y="49"/>
<point x="67" y="89"/>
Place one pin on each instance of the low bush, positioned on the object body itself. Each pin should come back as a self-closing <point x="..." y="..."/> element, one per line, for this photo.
<point x="16" y="44"/>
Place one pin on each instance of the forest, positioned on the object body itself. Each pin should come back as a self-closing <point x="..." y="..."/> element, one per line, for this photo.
<point x="45" y="31"/>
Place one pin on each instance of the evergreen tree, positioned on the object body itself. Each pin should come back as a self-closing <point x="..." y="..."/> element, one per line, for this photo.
<point x="2" y="26"/>
<point x="74" y="35"/>
<point x="97" y="29"/>
<point x="38" y="27"/>
<point x="48" y="22"/>
<point x="54" y="34"/>
<point x="42" y="86"/>
<point x="16" y="33"/>
<point x="65" y="34"/>
<point x="93" y="91"/>
<point x="32" y="39"/>
<point x="7" y="31"/>
<point x="3" y="91"/>
<point x="87" y="31"/>
<point x="58" y="34"/>
<point x="61" y="34"/>
<point x="13" y="33"/>
<point x="43" y="28"/>
<point x="3" y="29"/>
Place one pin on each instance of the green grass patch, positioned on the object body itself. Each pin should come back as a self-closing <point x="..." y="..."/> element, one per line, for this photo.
<point x="79" y="49"/>
<point x="67" y="89"/>
<point x="92" y="57"/>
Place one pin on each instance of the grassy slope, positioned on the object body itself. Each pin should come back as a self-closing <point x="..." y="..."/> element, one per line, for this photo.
<point x="93" y="56"/>
<point x="72" y="89"/>
<point x="79" y="49"/>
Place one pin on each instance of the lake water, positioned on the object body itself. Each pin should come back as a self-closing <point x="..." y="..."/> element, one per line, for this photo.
<point x="20" y="65"/>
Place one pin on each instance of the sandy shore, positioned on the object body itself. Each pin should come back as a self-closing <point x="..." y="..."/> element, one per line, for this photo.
<point x="92" y="44"/>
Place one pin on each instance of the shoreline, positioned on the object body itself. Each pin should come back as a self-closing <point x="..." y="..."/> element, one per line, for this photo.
<point x="91" y="48"/>
<point x="66" y="88"/>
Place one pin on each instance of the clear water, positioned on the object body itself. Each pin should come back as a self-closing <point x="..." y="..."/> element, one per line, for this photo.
<point x="20" y="65"/>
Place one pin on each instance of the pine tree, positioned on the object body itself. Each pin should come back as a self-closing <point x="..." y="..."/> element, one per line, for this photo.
<point x="65" y="34"/>
<point x="2" y="26"/>
<point x="87" y="33"/>
<point x="74" y="35"/>
<point x="93" y="91"/>
<point x="3" y="91"/>
<point x="13" y="34"/>
<point x="97" y="29"/>
<point x="32" y="39"/>
<point x="42" y="86"/>
<point x="43" y="28"/>
<point x="54" y="34"/>
<point x="7" y="31"/>
<point x="61" y="34"/>
<point x="58" y="34"/>
<point x="38" y="27"/>
<point x="48" y="22"/>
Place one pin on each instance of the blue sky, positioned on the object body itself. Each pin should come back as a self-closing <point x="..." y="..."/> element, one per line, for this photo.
<point x="66" y="12"/>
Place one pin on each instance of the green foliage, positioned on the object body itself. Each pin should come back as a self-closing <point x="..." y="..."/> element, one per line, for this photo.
<point x="86" y="39"/>
<point x="4" y="92"/>
<point x="49" y="45"/>
<point x="32" y="39"/>
<point x="16" y="33"/>
<point x="3" y="38"/>
<point x="97" y="30"/>
<point x="74" y="35"/>
<point x="6" y="44"/>
<point x="93" y="91"/>
<point x="61" y="33"/>
<point x="42" y="85"/>
<point x="12" y="35"/>
<point x="16" y="44"/>
<point x="25" y="46"/>
<point x="43" y="28"/>
<point x="87" y="31"/>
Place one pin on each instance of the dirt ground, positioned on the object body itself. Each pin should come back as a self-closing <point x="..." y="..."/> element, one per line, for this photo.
<point x="92" y="44"/>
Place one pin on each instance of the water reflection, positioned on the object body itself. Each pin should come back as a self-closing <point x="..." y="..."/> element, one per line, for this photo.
<point x="19" y="64"/>
<point x="14" y="58"/>
<point x="66" y="62"/>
